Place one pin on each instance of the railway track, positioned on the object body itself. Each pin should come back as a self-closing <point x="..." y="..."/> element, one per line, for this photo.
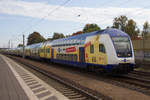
<point x="68" y="88"/>
<point x="134" y="81"/>
<point x="141" y="73"/>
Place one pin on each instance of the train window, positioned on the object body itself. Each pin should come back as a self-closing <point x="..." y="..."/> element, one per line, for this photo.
<point x="92" y="48"/>
<point x="48" y="50"/>
<point x="75" y="57"/>
<point x="101" y="48"/>
<point x="82" y="41"/>
<point x="61" y="56"/>
<point x="67" y="58"/>
<point x="71" y="41"/>
<point x="71" y="57"/>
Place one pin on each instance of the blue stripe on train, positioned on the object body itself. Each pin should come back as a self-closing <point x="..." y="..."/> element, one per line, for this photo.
<point x="77" y="64"/>
<point x="107" y="68"/>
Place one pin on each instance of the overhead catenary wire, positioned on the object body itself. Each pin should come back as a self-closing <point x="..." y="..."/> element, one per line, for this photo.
<point x="107" y="2"/>
<point x="36" y="23"/>
<point x="138" y="10"/>
<point x="31" y="21"/>
<point x="39" y="21"/>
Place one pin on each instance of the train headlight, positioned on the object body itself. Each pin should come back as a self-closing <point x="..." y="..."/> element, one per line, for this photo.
<point x="118" y="55"/>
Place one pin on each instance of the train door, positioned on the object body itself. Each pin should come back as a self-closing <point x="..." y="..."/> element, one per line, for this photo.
<point x="45" y="51"/>
<point x="81" y="54"/>
<point x="52" y="53"/>
<point x="91" y="49"/>
<point x="49" y="52"/>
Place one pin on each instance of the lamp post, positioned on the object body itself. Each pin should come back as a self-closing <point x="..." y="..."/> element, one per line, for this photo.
<point x="143" y="44"/>
<point x="23" y="47"/>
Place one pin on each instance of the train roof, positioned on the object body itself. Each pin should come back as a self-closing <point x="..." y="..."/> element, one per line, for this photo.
<point x="111" y="31"/>
<point x="36" y="45"/>
<point x="114" y="32"/>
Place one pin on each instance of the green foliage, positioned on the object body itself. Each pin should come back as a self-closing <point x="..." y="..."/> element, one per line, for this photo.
<point x="120" y="22"/>
<point x="91" y="28"/>
<point x="49" y="39"/>
<point x="77" y="33"/>
<point x="128" y="26"/>
<point x="108" y="27"/>
<point x="131" y="29"/>
<point x="58" y="36"/>
<point x="35" y="37"/>
<point x="68" y="36"/>
<point x="20" y="45"/>
<point x="146" y="26"/>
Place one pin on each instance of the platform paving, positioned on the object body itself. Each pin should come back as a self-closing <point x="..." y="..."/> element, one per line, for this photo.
<point x="10" y="88"/>
<point x="17" y="83"/>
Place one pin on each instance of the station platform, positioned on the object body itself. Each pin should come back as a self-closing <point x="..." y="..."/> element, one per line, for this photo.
<point x="16" y="83"/>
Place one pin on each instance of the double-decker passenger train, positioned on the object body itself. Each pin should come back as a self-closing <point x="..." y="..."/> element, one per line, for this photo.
<point x="108" y="50"/>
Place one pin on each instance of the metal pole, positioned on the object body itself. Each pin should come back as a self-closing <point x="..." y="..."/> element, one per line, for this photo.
<point x="23" y="47"/>
<point x="143" y="44"/>
<point x="9" y="44"/>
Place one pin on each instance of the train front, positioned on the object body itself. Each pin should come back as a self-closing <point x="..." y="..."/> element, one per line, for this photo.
<point x="121" y="56"/>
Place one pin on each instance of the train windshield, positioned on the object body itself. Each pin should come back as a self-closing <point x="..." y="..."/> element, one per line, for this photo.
<point x="122" y="46"/>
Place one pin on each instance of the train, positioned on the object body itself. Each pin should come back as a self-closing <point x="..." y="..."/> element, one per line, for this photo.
<point x="109" y="51"/>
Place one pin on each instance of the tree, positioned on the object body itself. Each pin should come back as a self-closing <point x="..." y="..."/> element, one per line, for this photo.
<point x="146" y="26"/>
<point x="131" y="28"/>
<point x="49" y="39"/>
<point x="128" y="26"/>
<point x="91" y="28"/>
<point x="68" y="36"/>
<point x="108" y="27"/>
<point x="57" y="35"/>
<point x="77" y="33"/>
<point x="20" y="45"/>
<point x="120" y="22"/>
<point x="35" y="37"/>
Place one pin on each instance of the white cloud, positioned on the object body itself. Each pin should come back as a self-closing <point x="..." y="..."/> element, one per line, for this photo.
<point x="101" y="16"/>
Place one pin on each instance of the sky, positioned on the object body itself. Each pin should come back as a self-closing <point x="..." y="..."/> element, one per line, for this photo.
<point x="18" y="17"/>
